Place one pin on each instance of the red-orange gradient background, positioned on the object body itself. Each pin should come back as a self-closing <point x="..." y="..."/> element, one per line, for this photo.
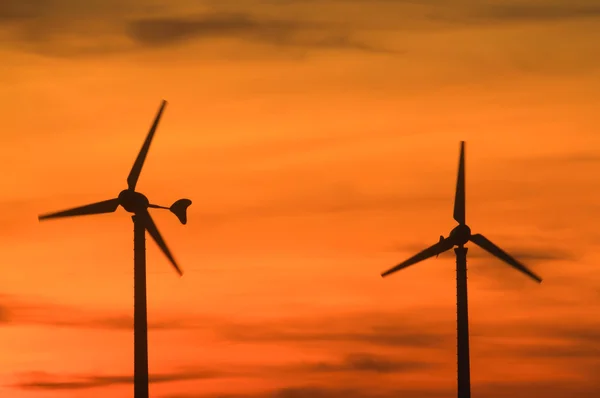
<point x="319" y="142"/>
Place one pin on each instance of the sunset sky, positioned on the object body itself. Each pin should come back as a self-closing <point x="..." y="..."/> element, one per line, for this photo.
<point x="319" y="142"/>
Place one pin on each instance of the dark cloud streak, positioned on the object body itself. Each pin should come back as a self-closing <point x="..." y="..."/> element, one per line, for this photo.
<point x="164" y="31"/>
<point x="362" y="362"/>
<point x="542" y="11"/>
<point x="48" y="27"/>
<point x="533" y="341"/>
<point x="47" y="381"/>
<point x="158" y="32"/>
<point x="104" y="27"/>
<point x="506" y="388"/>
<point x="357" y="362"/>
<point x="14" y="311"/>
<point x="383" y="333"/>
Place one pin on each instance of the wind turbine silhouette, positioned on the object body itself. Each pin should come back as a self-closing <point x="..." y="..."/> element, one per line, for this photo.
<point x="136" y="203"/>
<point x="459" y="236"/>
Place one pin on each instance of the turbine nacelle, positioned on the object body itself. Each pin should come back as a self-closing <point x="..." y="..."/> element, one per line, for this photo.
<point x="133" y="202"/>
<point x="460" y="235"/>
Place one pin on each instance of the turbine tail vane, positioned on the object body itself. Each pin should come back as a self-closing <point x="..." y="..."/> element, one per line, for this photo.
<point x="153" y="231"/>
<point x="435" y="250"/>
<point x="179" y="208"/>
<point x="134" y="174"/>
<point x="106" y="206"/>
<point x="494" y="250"/>
<point x="459" y="199"/>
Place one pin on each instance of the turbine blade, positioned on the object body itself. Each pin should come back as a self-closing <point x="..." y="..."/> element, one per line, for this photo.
<point x="153" y="231"/>
<point x="435" y="250"/>
<point x="134" y="174"/>
<point x="494" y="250"/>
<point x="459" y="198"/>
<point x="106" y="206"/>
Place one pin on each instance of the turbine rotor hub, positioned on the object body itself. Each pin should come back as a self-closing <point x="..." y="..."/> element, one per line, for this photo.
<point x="133" y="202"/>
<point x="460" y="235"/>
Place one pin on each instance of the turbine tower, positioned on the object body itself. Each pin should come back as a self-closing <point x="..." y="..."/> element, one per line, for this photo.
<point x="458" y="237"/>
<point x="137" y="204"/>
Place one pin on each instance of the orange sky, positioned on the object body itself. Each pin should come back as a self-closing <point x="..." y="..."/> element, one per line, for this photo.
<point x="319" y="142"/>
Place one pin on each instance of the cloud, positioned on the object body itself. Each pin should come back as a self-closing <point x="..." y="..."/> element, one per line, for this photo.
<point x="316" y="391"/>
<point x="534" y="341"/>
<point x="4" y="314"/>
<point x="355" y="338"/>
<point x="496" y="11"/>
<point x="50" y="10"/>
<point x="506" y="388"/>
<point x="536" y="11"/>
<point x="414" y="13"/>
<point x="368" y="329"/>
<point x="163" y="31"/>
<point x="537" y="388"/>
<point x="48" y="381"/>
<point x="70" y="28"/>
<point x="19" y="311"/>
<point x="357" y="362"/>
<point x="572" y="341"/>
<point x="157" y="32"/>
<point x="362" y="329"/>
<point x="561" y="351"/>
<point x="569" y="344"/>
<point x="363" y="362"/>
<point x="67" y="28"/>
<point x="562" y="159"/>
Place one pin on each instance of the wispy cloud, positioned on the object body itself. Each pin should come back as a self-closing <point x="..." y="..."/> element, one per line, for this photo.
<point x="356" y="338"/>
<point x="165" y="31"/>
<point x="352" y="363"/>
<point x="283" y="33"/>
<point x="315" y="391"/>
<point x="69" y="29"/>
<point x="547" y="389"/>
<point x="564" y="159"/>
<point x="573" y="345"/>
<point x="364" y="362"/>
<point x="364" y="329"/>
<point x="48" y="381"/>
<point x="367" y="328"/>
<point x="527" y="10"/>
<point x="28" y="311"/>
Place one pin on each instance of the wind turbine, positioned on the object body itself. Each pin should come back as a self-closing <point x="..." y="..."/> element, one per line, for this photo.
<point x="136" y="203"/>
<point x="458" y="237"/>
